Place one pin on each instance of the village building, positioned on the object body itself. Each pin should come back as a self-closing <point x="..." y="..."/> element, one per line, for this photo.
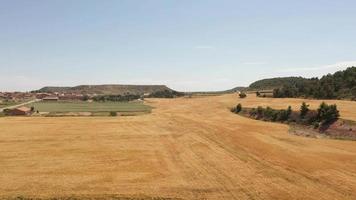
<point x="71" y="97"/>
<point x="42" y="95"/>
<point x="20" y="111"/>
<point x="50" y="99"/>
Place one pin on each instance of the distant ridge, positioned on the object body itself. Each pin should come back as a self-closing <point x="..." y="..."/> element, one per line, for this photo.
<point x="107" y="89"/>
<point x="339" y="85"/>
<point x="273" y="83"/>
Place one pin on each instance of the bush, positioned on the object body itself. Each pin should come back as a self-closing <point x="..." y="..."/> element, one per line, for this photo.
<point x="259" y="112"/>
<point x="253" y="112"/>
<point x="242" y="95"/>
<point x="113" y="114"/>
<point x="268" y="113"/>
<point x="6" y="111"/>
<point x="282" y="115"/>
<point x="304" y="109"/>
<point x="237" y="109"/>
<point x="310" y="117"/>
<point x="327" y="113"/>
<point x="85" y="98"/>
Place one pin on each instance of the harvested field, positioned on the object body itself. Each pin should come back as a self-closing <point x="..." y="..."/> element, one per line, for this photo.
<point x="188" y="148"/>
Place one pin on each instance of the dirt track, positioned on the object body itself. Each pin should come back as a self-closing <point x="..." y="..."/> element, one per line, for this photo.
<point x="187" y="148"/>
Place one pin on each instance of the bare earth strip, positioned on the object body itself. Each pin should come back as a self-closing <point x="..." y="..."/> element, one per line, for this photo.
<point x="189" y="148"/>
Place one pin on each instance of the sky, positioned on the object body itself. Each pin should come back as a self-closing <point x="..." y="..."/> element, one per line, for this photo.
<point x="199" y="45"/>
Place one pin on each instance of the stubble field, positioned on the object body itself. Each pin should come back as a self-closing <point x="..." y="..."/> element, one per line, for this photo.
<point x="187" y="148"/>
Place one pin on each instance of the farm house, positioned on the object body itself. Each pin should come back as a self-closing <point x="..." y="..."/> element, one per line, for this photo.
<point x="20" y="111"/>
<point x="50" y="99"/>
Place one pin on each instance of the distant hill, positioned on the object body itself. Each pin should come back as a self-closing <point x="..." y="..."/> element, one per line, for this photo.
<point x="273" y="83"/>
<point x="340" y="85"/>
<point x="107" y="89"/>
<point x="236" y="89"/>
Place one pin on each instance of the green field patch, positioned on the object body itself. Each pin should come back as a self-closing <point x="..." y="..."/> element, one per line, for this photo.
<point x="61" y="107"/>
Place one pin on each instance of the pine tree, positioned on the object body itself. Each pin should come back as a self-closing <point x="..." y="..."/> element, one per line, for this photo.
<point x="304" y="109"/>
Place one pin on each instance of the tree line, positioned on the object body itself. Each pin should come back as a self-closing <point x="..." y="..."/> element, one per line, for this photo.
<point x="340" y="85"/>
<point x="118" y="98"/>
<point x="325" y="114"/>
<point x="165" y="94"/>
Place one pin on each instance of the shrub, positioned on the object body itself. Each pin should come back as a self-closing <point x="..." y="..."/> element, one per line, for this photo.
<point x="6" y="111"/>
<point x="289" y="111"/>
<point x="327" y="113"/>
<point x="268" y="113"/>
<point x="259" y="112"/>
<point x="113" y="113"/>
<point x="85" y="98"/>
<point x="310" y="117"/>
<point x="304" y="108"/>
<point x="242" y="95"/>
<point x="315" y="125"/>
<point x="237" y="109"/>
<point x="294" y="117"/>
<point x="253" y="112"/>
<point x="282" y="115"/>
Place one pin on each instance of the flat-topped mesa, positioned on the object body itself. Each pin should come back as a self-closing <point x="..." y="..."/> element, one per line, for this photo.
<point x="107" y="89"/>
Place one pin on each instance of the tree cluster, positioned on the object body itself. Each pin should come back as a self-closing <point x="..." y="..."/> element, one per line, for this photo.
<point x="269" y="114"/>
<point x="166" y="94"/>
<point x="340" y="85"/>
<point x="116" y="98"/>
<point x="242" y="95"/>
<point x="325" y="114"/>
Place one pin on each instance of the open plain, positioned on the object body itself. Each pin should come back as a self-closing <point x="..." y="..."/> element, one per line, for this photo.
<point x="187" y="148"/>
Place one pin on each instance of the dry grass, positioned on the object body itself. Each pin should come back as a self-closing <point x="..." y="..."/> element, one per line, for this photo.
<point x="190" y="148"/>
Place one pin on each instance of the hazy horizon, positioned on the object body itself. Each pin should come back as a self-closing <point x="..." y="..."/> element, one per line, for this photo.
<point x="186" y="45"/>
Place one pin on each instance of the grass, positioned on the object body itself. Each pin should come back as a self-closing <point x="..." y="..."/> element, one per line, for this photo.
<point x="8" y="103"/>
<point x="59" y="107"/>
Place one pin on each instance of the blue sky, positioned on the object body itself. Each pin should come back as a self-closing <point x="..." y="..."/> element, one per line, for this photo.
<point x="187" y="45"/>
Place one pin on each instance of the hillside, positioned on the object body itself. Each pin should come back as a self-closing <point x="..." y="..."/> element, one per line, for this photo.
<point x="108" y="89"/>
<point x="272" y="83"/>
<point x="236" y="89"/>
<point x="340" y="85"/>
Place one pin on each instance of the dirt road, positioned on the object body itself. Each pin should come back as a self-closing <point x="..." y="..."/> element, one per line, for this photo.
<point x="21" y="104"/>
<point x="189" y="148"/>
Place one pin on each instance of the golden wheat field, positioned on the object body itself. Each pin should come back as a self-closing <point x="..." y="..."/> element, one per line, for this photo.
<point x="187" y="148"/>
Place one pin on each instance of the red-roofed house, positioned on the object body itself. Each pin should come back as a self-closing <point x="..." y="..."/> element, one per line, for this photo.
<point x="20" y="111"/>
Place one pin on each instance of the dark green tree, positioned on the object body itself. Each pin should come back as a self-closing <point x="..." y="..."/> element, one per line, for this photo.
<point x="242" y="95"/>
<point x="238" y="108"/>
<point x="304" y="109"/>
<point x="113" y="113"/>
<point x="327" y="113"/>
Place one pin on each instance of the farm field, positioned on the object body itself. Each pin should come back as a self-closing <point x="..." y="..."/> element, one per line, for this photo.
<point x="90" y="107"/>
<point x="8" y="103"/>
<point x="187" y="148"/>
